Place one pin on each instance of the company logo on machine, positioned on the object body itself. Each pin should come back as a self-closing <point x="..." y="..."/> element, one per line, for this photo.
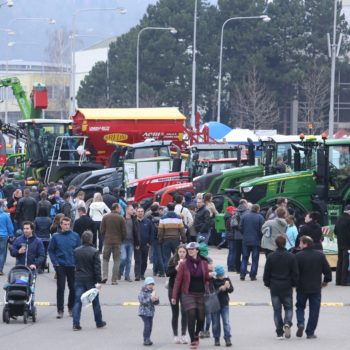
<point x="116" y="137"/>
<point x="161" y="135"/>
<point x="99" y="128"/>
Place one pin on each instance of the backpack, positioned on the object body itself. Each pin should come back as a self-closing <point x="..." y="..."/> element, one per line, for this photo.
<point x="235" y="220"/>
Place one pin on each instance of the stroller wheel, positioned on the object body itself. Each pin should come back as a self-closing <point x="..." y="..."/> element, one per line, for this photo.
<point x="34" y="314"/>
<point x="25" y="316"/>
<point x="6" y="315"/>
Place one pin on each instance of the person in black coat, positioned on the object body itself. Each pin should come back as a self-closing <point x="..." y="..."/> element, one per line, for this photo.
<point x="108" y="198"/>
<point x="312" y="265"/>
<point x="85" y="223"/>
<point x="280" y="276"/>
<point x="313" y="229"/>
<point x="26" y="208"/>
<point x="342" y="231"/>
<point x="202" y="220"/>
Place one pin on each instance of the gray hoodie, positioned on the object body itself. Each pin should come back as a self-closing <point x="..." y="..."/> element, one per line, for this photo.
<point x="270" y="230"/>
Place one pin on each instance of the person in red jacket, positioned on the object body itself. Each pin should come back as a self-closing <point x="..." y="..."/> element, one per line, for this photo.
<point x="192" y="278"/>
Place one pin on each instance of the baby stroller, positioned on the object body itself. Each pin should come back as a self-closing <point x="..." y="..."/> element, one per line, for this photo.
<point x="19" y="294"/>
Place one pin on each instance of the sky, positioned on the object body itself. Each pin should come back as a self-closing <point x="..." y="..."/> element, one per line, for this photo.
<point x="31" y="37"/>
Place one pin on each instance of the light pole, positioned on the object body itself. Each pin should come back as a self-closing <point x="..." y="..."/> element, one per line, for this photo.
<point x="119" y="10"/>
<point x="8" y="3"/>
<point x="194" y="49"/>
<point x="172" y="31"/>
<point x="265" y="19"/>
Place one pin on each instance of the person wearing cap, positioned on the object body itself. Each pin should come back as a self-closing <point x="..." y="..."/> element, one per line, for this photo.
<point x="147" y="298"/>
<point x="342" y="231"/>
<point x="191" y="280"/>
<point x="223" y="286"/>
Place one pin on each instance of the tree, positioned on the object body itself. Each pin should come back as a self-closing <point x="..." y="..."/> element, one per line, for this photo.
<point x="255" y="105"/>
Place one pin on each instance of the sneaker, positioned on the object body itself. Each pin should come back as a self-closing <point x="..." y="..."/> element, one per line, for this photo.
<point x="286" y="330"/>
<point x="137" y="278"/>
<point x="143" y="277"/>
<point x="194" y="345"/>
<point x="102" y="325"/>
<point x="228" y="342"/>
<point x="217" y="342"/>
<point x="201" y="335"/>
<point x="242" y="278"/>
<point x="114" y="283"/>
<point x="77" y="328"/>
<point x="2" y="273"/>
<point x="253" y="278"/>
<point x="59" y="314"/>
<point x="128" y="279"/>
<point x="279" y="337"/>
<point x="162" y="275"/>
<point x="104" y="280"/>
<point x="311" y="336"/>
<point x="147" y="342"/>
<point x="119" y="277"/>
<point x="300" y="330"/>
<point x="70" y="312"/>
<point x="176" y="340"/>
<point x="184" y="340"/>
<point x="206" y="334"/>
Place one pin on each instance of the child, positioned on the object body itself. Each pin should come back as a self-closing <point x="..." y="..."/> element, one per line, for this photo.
<point x="147" y="298"/>
<point x="224" y="286"/>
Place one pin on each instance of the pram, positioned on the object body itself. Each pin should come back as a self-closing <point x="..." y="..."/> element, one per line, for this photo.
<point x="19" y="294"/>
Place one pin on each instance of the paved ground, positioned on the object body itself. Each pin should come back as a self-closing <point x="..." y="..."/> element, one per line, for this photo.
<point x="250" y="315"/>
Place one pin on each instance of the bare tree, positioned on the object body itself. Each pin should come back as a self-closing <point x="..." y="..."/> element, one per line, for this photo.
<point x="314" y="90"/>
<point x="255" y="106"/>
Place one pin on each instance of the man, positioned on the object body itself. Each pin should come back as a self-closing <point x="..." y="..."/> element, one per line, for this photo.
<point x="280" y="167"/>
<point x="67" y="207"/>
<point x="108" y="198"/>
<point x="146" y="233"/>
<point x="170" y="231"/>
<point x="130" y="244"/>
<point x="312" y="265"/>
<point x="61" y="251"/>
<point x="87" y="276"/>
<point x="6" y="232"/>
<point x="85" y="223"/>
<point x="44" y="203"/>
<point x="34" y="193"/>
<point x="202" y="220"/>
<point x="184" y="213"/>
<point x="273" y="228"/>
<point x="113" y="231"/>
<point x="281" y="275"/>
<point x="342" y="231"/>
<point x="26" y="208"/>
<point x="250" y="226"/>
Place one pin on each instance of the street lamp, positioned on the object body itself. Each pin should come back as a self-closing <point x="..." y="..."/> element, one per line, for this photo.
<point x="194" y="49"/>
<point x="119" y="10"/>
<point x="265" y="19"/>
<point x="8" y="3"/>
<point x="172" y="30"/>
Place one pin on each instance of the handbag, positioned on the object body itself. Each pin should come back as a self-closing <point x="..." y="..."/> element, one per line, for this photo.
<point x="211" y="300"/>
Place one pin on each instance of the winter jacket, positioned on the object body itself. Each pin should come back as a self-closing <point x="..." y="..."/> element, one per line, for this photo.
<point x="87" y="264"/>
<point x="171" y="272"/>
<point x="270" y="230"/>
<point x="313" y="230"/>
<point x="34" y="254"/>
<point x="44" y="204"/>
<point x="184" y="214"/>
<point x="113" y="229"/>
<point x="171" y="227"/>
<point x="97" y="210"/>
<point x="241" y="210"/>
<point x="312" y="264"/>
<point x="250" y="226"/>
<point x="155" y="218"/>
<point x="6" y="226"/>
<point x="42" y="227"/>
<point x="292" y="234"/>
<point x="109" y="199"/>
<point x="61" y="248"/>
<point x="26" y="210"/>
<point x="202" y="220"/>
<point x="342" y="231"/>
<point x="281" y="272"/>
<point x="228" y="228"/>
<point x="84" y="223"/>
<point x="146" y="307"/>
<point x="223" y="295"/>
<point x="146" y="231"/>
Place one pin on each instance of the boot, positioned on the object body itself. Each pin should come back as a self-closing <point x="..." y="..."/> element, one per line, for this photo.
<point x="228" y="341"/>
<point x="217" y="341"/>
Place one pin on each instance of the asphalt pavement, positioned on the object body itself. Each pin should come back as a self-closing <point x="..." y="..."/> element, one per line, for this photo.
<point x="250" y="315"/>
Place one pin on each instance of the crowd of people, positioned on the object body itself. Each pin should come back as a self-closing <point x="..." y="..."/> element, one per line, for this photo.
<point x="56" y="221"/>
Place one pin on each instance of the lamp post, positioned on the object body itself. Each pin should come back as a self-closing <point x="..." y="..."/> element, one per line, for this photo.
<point x="265" y="19"/>
<point x="172" y="31"/>
<point x="8" y="3"/>
<point x="119" y="10"/>
<point x="194" y="49"/>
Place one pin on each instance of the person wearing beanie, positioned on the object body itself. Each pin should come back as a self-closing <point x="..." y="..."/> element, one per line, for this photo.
<point x="223" y="286"/>
<point x="147" y="298"/>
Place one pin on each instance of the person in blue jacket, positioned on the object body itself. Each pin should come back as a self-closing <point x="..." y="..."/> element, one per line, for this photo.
<point x="28" y="249"/>
<point x="61" y="252"/>
<point x="6" y="232"/>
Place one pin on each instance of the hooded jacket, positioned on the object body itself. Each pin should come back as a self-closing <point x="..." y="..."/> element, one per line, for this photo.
<point x="270" y="230"/>
<point x="35" y="252"/>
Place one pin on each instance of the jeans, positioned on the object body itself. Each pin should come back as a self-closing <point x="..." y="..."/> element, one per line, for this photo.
<point x="169" y="247"/>
<point x="158" y="266"/>
<point x="141" y="256"/>
<point x="147" y="327"/>
<point x="231" y="257"/>
<point x="109" y="250"/>
<point x="80" y="288"/>
<point x="126" y="252"/>
<point x="255" y="251"/>
<point x="225" y="316"/>
<point x="63" y="273"/>
<point x="314" y="310"/>
<point x="277" y="302"/>
<point x="3" y="252"/>
<point x="238" y="253"/>
<point x="208" y="320"/>
<point x="205" y="235"/>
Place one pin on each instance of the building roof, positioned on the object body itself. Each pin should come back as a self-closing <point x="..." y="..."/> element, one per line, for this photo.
<point x="131" y="113"/>
<point x="102" y="44"/>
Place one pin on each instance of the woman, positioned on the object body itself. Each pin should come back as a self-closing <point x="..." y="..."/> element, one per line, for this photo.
<point x="171" y="272"/>
<point x="312" y="228"/>
<point x="97" y="210"/>
<point x="55" y="226"/>
<point x="42" y="230"/>
<point x="192" y="278"/>
<point x="291" y="233"/>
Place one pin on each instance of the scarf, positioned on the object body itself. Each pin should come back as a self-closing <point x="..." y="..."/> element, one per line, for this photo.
<point x="194" y="266"/>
